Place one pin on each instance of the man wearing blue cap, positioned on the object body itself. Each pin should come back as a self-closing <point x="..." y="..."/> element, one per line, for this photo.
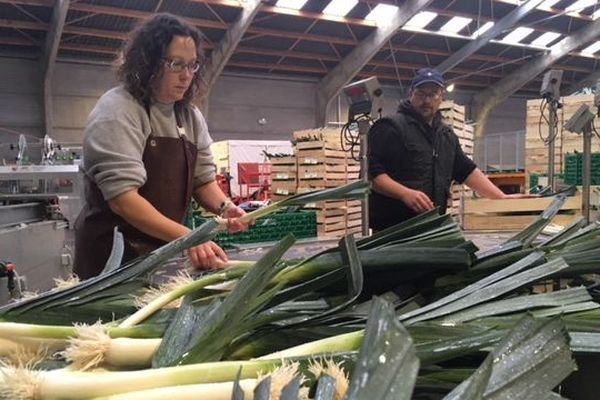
<point x="414" y="157"/>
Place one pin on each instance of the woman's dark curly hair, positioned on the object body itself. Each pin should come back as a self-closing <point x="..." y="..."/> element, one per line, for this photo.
<point x="145" y="50"/>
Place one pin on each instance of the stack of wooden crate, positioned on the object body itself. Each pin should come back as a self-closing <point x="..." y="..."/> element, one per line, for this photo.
<point x="536" y="150"/>
<point x="284" y="177"/>
<point x="454" y="116"/>
<point x="322" y="163"/>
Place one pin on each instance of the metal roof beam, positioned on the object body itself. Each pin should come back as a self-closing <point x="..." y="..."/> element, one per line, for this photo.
<point x="102" y="33"/>
<point x="589" y="81"/>
<point x="224" y="50"/>
<point x="48" y="60"/>
<point x="351" y="65"/>
<point x="505" y="23"/>
<point x="494" y="95"/>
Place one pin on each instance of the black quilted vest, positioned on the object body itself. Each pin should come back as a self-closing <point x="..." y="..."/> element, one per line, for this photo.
<point x="425" y="162"/>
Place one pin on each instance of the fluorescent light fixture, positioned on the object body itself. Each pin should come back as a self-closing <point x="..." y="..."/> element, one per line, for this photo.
<point x="339" y="7"/>
<point x="580" y="5"/>
<point x="382" y="13"/>
<point x="294" y="4"/>
<point x="548" y="4"/>
<point x="456" y="24"/>
<point x="421" y="20"/>
<point x="545" y="39"/>
<point x="517" y="35"/>
<point x="591" y="49"/>
<point x="482" y="29"/>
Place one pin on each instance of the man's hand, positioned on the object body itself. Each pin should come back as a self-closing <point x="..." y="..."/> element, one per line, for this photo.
<point x="207" y="256"/>
<point x="417" y="201"/>
<point x="234" y="224"/>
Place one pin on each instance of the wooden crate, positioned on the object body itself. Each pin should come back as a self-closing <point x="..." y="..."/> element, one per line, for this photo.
<point x="284" y="187"/>
<point x="329" y="135"/>
<point x="284" y="176"/>
<point x="515" y="214"/>
<point x="321" y="163"/>
<point x="454" y="116"/>
<point x="337" y="218"/>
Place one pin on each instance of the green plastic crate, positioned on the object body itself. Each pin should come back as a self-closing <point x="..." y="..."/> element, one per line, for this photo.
<point x="303" y="224"/>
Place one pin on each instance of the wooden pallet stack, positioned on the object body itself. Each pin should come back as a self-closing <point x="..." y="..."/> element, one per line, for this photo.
<point x="284" y="177"/>
<point x="536" y="151"/>
<point x="454" y="115"/>
<point x="323" y="164"/>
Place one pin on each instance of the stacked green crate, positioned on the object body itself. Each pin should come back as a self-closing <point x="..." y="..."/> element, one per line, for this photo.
<point x="303" y="224"/>
<point x="534" y="180"/>
<point x="574" y="168"/>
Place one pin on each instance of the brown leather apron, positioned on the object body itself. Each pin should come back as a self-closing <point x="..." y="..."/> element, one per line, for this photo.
<point x="170" y="164"/>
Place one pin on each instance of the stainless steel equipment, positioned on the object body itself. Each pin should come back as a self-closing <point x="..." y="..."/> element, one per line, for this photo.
<point x="38" y="207"/>
<point x="365" y="101"/>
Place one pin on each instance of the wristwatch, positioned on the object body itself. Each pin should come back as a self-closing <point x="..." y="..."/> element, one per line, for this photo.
<point x="225" y="205"/>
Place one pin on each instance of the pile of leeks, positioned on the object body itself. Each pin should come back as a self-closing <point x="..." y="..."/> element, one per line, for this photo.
<point x="361" y="319"/>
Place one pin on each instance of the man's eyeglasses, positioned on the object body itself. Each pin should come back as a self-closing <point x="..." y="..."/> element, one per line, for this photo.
<point x="432" y="95"/>
<point x="179" y="66"/>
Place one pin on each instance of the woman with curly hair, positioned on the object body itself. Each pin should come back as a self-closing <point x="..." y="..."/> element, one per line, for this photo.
<point x="146" y="153"/>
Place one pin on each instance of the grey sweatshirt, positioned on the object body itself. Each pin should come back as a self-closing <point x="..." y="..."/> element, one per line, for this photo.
<point x="116" y="134"/>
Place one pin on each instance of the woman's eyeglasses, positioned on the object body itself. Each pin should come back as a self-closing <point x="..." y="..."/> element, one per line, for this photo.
<point x="179" y="66"/>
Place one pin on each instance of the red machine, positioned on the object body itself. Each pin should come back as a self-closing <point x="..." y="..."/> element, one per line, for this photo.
<point x="254" y="180"/>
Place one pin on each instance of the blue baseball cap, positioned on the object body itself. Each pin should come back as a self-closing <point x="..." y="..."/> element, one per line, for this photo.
<point x="428" y="75"/>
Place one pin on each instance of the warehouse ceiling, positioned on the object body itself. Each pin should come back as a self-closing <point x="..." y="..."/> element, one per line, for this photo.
<point x="311" y="40"/>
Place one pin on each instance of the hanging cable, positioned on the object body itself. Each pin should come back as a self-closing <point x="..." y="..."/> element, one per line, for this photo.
<point x="553" y="110"/>
<point x="349" y="140"/>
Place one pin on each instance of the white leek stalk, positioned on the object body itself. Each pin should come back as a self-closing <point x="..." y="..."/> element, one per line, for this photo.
<point x="340" y="343"/>
<point x="212" y="391"/>
<point x="12" y="330"/>
<point x="280" y="377"/>
<point x="92" y="347"/>
<point x="21" y="384"/>
<point x="200" y="283"/>
<point x="18" y="343"/>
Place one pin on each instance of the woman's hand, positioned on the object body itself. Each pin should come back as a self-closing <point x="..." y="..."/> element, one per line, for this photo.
<point x="234" y="224"/>
<point x="207" y="256"/>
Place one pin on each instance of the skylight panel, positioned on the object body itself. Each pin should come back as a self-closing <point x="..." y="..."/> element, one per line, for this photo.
<point x="593" y="48"/>
<point x="294" y="4"/>
<point x="421" y="20"/>
<point x="482" y="29"/>
<point x="545" y="39"/>
<point x="382" y="13"/>
<point x="517" y="35"/>
<point x="456" y="24"/>
<point x="580" y="5"/>
<point x="340" y="7"/>
<point x="548" y="4"/>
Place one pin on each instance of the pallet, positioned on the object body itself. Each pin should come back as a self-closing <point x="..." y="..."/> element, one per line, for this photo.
<point x="515" y="214"/>
<point x="509" y="222"/>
